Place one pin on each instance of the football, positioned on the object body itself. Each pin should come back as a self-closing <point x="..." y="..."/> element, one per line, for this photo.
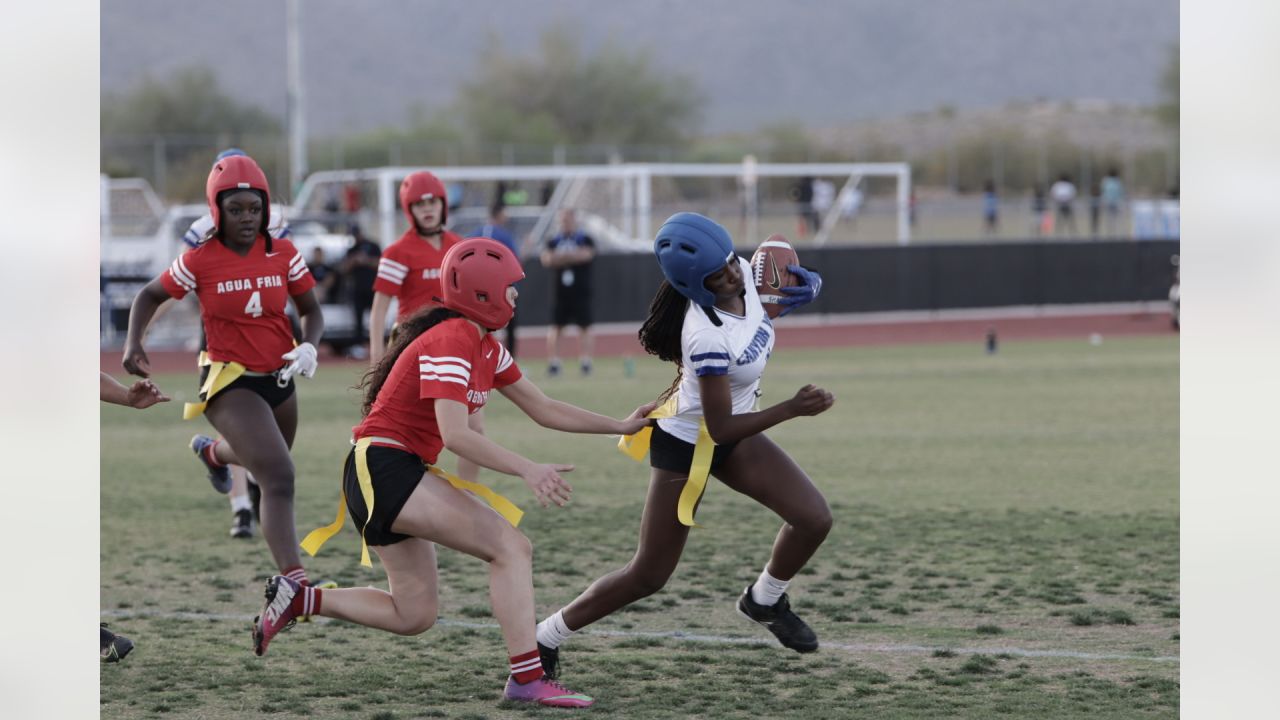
<point x="770" y="274"/>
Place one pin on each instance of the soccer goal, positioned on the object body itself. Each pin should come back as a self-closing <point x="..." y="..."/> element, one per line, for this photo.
<point x="622" y="204"/>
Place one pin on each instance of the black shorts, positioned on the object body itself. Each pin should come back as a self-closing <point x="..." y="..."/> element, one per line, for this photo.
<point x="395" y="474"/>
<point x="571" y="309"/>
<point x="264" y="385"/>
<point x="668" y="452"/>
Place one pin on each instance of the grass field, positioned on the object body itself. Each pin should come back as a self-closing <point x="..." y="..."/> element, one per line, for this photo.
<point x="1006" y="544"/>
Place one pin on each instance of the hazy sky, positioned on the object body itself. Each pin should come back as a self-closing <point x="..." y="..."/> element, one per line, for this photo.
<point x="822" y="62"/>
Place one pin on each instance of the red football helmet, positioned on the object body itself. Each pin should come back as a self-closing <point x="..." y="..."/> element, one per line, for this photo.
<point x="420" y="186"/>
<point x="474" y="277"/>
<point x="237" y="172"/>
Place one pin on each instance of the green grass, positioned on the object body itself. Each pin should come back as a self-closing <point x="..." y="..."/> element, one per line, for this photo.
<point x="984" y="505"/>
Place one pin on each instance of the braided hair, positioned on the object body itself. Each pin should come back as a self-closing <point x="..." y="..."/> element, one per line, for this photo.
<point x="660" y="333"/>
<point x="408" y="331"/>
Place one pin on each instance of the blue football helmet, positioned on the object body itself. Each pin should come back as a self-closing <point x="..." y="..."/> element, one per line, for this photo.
<point x="690" y="247"/>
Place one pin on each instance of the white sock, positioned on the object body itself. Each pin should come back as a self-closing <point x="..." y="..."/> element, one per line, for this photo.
<point x="553" y="630"/>
<point x="768" y="588"/>
<point x="240" y="502"/>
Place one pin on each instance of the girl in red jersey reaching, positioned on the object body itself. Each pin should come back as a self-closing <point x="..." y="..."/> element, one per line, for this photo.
<point x="442" y="367"/>
<point x="244" y="280"/>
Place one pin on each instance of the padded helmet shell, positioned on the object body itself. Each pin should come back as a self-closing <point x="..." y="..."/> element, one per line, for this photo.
<point x="237" y="172"/>
<point x="690" y="247"/>
<point x="420" y="186"/>
<point x="474" y="277"/>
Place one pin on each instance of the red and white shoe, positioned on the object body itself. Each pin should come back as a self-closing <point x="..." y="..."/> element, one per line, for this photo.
<point x="545" y="691"/>
<point x="277" y="612"/>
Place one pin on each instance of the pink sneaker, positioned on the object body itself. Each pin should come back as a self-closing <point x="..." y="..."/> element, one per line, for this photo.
<point x="277" y="613"/>
<point x="545" y="691"/>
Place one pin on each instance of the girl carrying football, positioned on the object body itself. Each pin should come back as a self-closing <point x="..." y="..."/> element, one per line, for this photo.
<point x="709" y="320"/>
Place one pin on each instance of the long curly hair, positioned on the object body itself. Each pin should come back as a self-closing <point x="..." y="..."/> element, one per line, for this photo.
<point x="406" y="332"/>
<point x="660" y="333"/>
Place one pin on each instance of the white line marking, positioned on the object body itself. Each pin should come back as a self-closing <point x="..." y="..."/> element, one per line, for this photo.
<point x="708" y="639"/>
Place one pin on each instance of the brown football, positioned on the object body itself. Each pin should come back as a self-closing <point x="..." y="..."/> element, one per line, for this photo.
<point x="770" y="274"/>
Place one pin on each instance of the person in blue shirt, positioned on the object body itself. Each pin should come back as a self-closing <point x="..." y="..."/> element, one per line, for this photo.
<point x="496" y="228"/>
<point x="569" y="256"/>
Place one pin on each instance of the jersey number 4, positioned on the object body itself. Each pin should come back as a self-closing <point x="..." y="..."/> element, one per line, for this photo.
<point x="254" y="306"/>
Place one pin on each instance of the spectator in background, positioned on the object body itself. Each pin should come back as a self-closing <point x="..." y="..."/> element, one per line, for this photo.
<point x="1063" y="193"/>
<point x="351" y="200"/>
<point x="1095" y="209"/>
<point x="990" y="208"/>
<point x="325" y="275"/>
<point x="1112" y="200"/>
<point x="824" y="196"/>
<point x="360" y="265"/>
<point x="569" y="256"/>
<point x="1041" y="220"/>
<point x="802" y="194"/>
<point x="496" y="228"/>
<point x="850" y="200"/>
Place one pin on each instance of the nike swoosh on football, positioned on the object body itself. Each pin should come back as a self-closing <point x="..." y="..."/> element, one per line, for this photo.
<point x="776" y="282"/>
<point x="278" y="252"/>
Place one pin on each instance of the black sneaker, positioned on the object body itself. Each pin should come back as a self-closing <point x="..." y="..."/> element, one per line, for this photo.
<point x="550" y="661"/>
<point x="790" y="630"/>
<point x="243" y="527"/>
<point x="114" y="647"/>
<point x="586" y="368"/>
<point x="553" y="369"/>
<point x="219" y="475"/>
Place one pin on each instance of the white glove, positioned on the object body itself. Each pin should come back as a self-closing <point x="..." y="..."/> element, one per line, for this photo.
<point x="302" y="361"/>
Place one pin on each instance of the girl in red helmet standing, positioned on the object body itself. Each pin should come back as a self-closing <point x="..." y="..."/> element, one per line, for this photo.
<point x="244" y="280"/>
<point x="441" y="367"/>
<point x="410" y="271"/>
<point x="410" y="268"/>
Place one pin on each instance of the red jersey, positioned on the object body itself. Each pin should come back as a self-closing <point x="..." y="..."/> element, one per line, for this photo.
<point x="410" y="270"/>
<point x="449" y="361"/>
<point x="242" y="299"/>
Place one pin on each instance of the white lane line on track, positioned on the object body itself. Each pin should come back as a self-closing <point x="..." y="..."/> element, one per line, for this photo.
<point x="707" y="639"/>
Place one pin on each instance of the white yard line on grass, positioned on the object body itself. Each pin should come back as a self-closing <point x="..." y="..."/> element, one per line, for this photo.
<point x="708" y="639"/>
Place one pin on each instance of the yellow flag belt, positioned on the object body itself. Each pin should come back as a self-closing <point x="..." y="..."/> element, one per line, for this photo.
<point x="636" y="446"/>
<point x="318" y="537"/>
<point x="221" y="374"/>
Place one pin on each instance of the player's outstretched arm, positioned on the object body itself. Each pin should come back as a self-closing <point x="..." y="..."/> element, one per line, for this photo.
<point x="542" y="478"/>
<point x="563" y="416"/>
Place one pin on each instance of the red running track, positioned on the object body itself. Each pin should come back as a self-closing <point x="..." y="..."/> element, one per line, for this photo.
<point x="846" y="331"/>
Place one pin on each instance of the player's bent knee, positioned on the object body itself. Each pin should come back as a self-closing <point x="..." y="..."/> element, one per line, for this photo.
<point x="514" y="547"/>
<point x="816" y="523"/>
<point x="418" y="624"/>
<point x="647" y="582"/>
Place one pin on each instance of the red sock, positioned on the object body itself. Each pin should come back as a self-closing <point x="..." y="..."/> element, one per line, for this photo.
<point x="306" y="602"/>
<point x="211" y="456"/>
<point x="526" y="667"/>
<point x="298" y="575"/>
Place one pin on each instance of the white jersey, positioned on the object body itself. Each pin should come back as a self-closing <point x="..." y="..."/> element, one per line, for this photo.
<point x="739" y="348"/>
<point x="199" y="231"/>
